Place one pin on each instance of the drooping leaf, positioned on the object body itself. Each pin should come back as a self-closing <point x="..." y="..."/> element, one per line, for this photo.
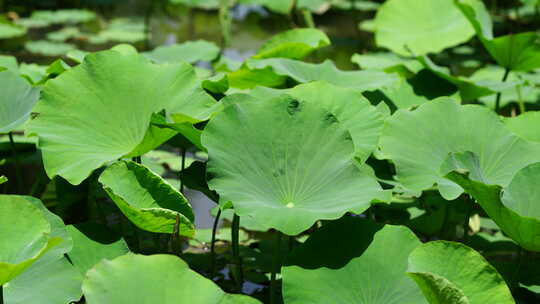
<point x="525" y="125"/>
<point x="452" y="273"/>
<point x="303" y="72"/>
<point x="16" y="101"/>
<point x="48" y="281"/>
<point x="146" y="199"/>
<point x="419" y="141"/>
<point x="518" y="52"/>
<point x="388" y="62"/>
<point x="79" y="132"/>
<point x="297" y="168"/>
<point x="419" y="27"/>
<point x="93" y="243"/>
<point x="112" y="282"/>
<point x="516" y="211"/>
<point x="365" y="264"/>
<point x="25" y="232"/>
<point x="190" y="51"/>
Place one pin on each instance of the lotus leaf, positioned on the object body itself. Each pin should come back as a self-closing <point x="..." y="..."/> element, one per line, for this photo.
<point x="190" y="51"/>
<point x="525" y="125"/>
<point x="16" y="102"/>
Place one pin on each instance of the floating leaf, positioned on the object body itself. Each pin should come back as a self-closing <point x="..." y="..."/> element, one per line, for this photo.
<point x="190" y="51"/>
<point x="25" y="231"/>
<point x="16" y="101"/>
<point x="146" y="199"/>
<point x="278" y="6"/>
<point x="49" y="48"/>
<point x="204" y="4"/>
<point x="371" y="268"/>
<point x="419" y="141"/>
<point x="8" y="31"/>
<point x="449" y="272"/>
<point x="78" y="132"/>
<point x="418" y="27"/>
<point x="112" y="282"/>
<point x="93" y="243"/>
<point x="297" y="168"/>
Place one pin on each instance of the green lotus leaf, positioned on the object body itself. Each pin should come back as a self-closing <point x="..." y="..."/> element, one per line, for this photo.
<point x="513" y="207"/>
<point x="34" y="73"/>
<point x="190" y="51"/>
<point x="419" y="141"/>
<point x="403" y="95"/>
<point x="79" y="132"/>
<point x="452" y="273"/>
<point x="418" y="27"/>
<point x="120" y="30"/>
<point x="293" y="44"/>
<point x="388" y="62"/>
<point x="371" y="268"/>
<point x="25" y="232"/>
<point x="519" y="52"/>
<point x="8" y="31"/>
<point x="525" y="125"/>
<point x="469" y="89"/>
<point x="277" y="6"/>
<point x="16" y="101"/>
<point x="353" y="110"/>
<point x="112" y="282"/>
<point x="3" y="179"/>
<point x="8" y="62"/>
<point x="296" y="169"/>
<point x="63" y="16"/>
<point x="146" y="199"/>
<point x="93" y="243"/>
<point x="48" y="281"/>
<point x="303" y="72"/>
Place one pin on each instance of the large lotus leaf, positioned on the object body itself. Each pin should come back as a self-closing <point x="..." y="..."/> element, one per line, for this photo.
<point x="371" y="268"/>
<point x="293" y="44"/>
<point x="94" y="114"/>
<point x="129" y="30"/>
<point x="469" y="89"/>
<point x="146" y="199"/>
<point x="8" y="31"/>
<point x="24" y="231"/>
<point x="278" y="6"/>
<point x="303" y="72"/>
<point x="63" y="16"/>
<point x="190" y="51"/>
<point x="16" y="102"/>
<point x="295" y="169"/>
<point x="93" y="243"/>
<point x="418" y="27"/>
<point x="350" y="107"/>
<point x="120" y="282"/>
<point x="204" y="4"/>
<point x="516" y="211"/>
<point x="419" y="141"/>
<point x="403" y="95"/>
<point x="48" y="281"/>
<point x="519" y="52"/>
<point x="452" y="273"/>
<point x="526" y="125"/>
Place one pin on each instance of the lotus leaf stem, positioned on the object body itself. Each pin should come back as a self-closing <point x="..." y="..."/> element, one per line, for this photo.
<point x="213" y="245"/>
<point x="308" y="18"/>
<point x="498" y="98"/>
<point x="183" y="166"/>
<point x="17" y="163"/>
<point x="238" y="272"/>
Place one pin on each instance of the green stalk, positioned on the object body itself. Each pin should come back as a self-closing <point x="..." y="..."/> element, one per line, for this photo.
<point x="147" y="19"/>
<point x="498" y="98"/>
<point x="1" y="294"/>
<point x="275" y="269"/>
<point x="237" y="260"/>
<point x="308" y="18"/>
<point x="183" y="167"/>
<point x="521" y="104"/>
<point x="213" y="246"/>
<point x="17" y="164"/>
<point x="225" y="21"/>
